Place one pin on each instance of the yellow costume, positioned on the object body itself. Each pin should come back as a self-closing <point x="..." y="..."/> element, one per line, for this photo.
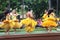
<point x="49" y="21"/>
<point x="7" y="23"/>
<point x="29" y="24"/>
<point x="16" y="21"/>
<point x="57" y="19"/>
<point x="44" y="16"/>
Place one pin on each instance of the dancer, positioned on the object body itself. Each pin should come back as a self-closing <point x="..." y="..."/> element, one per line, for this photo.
<point x="29" y="22"/>
<point x="14" y="18"/>
<point x="45" y="14"/>
<point x="50" y="20"/>
<point x="7" y="23"/>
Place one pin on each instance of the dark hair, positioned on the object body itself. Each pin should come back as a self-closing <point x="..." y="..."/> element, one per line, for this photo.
<point x="50" y="11"/>
<point x="29" y="9"/>
<point x="6" y="12"/>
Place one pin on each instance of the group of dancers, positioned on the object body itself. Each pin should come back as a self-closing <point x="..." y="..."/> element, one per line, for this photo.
<point x="11" y="22"/>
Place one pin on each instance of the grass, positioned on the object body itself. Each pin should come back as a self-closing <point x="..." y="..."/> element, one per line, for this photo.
<point x="22" y="31"/>
<point x="18" y="30"/>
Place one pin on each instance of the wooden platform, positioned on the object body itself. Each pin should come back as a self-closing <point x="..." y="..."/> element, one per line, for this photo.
<point x="47" y="36"/>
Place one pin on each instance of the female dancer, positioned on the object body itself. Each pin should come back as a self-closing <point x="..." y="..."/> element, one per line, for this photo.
<point x="49" y="20"/>
<point x="7" y="23"/>
<point x="15" y="20"/>
<point x="29" y="22"/>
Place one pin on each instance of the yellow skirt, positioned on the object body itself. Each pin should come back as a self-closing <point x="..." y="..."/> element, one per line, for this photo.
<point x="29" y="29"/>
<point x="7" y="24"/>
<point x="29" y="24"/>
<point x="34" y="23"/>
<point x="17" y="25"/>
<point x="49" y="24"/>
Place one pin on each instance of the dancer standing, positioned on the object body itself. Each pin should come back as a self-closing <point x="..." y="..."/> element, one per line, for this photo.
<point x="50" y="20"/>
<point x="15" y="20"/>
<point x="7" y="23"/>
<point x="29" y="22"/>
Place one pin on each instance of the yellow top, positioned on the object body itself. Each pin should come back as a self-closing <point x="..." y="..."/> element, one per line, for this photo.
<point x="51" y="17"/>
<point x="14" y="17"/>
<point x="45" y="16"/>
<point x="8" y="17"/>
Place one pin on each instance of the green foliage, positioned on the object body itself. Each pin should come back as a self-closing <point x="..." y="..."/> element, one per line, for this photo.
<point x="38" y="7"/>
<point x="54" y="5"/>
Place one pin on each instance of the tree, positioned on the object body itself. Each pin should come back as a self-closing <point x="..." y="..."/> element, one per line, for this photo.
<point x="38" y="8"/>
